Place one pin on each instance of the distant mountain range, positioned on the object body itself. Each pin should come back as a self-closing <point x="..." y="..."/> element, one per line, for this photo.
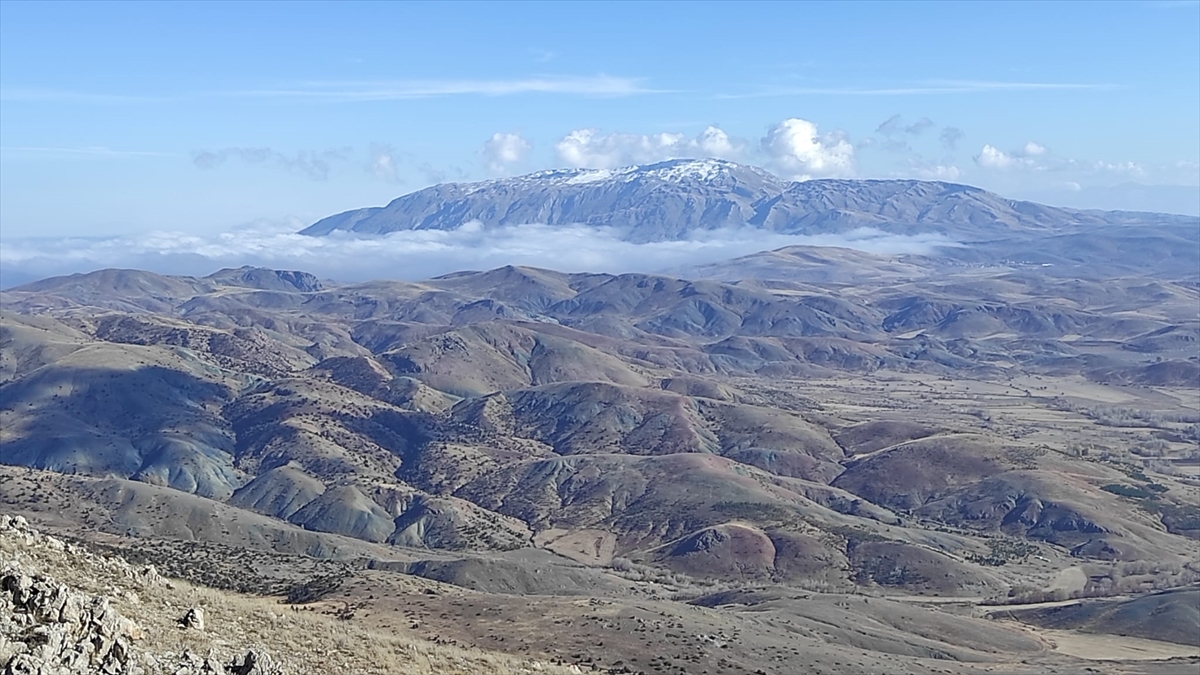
<point x="679" y="198"/>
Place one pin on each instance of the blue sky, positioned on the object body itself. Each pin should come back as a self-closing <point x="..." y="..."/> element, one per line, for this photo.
<point x="198" y="118"/>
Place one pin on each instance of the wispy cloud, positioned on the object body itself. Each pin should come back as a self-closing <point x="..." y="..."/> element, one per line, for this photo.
<point x="927" y="87"/>
<point x="41" y="95"/>
<point x="393" y="90"/>
<point x="352" y="91"/>
<point x="950" y="137"/>
<point x="894" y="125"/>
<point x="892" y="131"/>
<point x="86" y="151"/>
<point x="314" y="164"/>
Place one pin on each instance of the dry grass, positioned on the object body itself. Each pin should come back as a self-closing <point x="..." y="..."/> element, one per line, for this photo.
<point x="301" y="641"/>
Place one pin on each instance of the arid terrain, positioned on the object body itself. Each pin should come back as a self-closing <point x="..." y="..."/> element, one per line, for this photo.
<point x="867" y="464"/>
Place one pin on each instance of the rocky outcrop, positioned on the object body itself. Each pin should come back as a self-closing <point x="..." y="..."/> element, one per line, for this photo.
<point x="46" y="627"/>
<point x="49" y="628"/>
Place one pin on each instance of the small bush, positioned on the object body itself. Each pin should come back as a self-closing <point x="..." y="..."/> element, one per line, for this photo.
<point x="1134" y="491"/>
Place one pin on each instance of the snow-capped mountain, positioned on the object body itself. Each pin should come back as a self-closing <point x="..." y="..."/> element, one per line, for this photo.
<point x="678" y="198"/>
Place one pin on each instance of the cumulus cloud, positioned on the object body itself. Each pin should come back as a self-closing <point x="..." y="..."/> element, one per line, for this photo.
<point x="416" y="254"/>
<point x="943" y="172"/>
<point x="1128" y="168"/>
<point x="792" y="147"/>
<point x="991" y="157"/>
<point x="714" y="142"/>
<point x="591" y="149"/>
<point x="313" y="164"/>
<point x="1035" y="157"/>
<point x="1025" y="157"/>
<point x="503" y="150"/>
<point x="795" y="149"/>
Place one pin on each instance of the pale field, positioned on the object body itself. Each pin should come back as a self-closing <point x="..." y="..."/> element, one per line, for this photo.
<point x="1112" y="647"/>
<point x="1026" y="410"/>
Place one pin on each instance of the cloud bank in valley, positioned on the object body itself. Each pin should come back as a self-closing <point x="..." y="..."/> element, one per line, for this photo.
<point x="412" y="255"/>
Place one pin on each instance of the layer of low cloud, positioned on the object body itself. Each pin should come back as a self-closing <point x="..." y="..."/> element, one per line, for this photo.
<point x="414" y="254"/>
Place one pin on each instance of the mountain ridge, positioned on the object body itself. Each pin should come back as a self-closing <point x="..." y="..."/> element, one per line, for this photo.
<point x="677" y="199"/>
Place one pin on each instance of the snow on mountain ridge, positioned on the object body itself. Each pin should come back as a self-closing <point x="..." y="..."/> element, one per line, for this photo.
<point x="669" y="171"/>
<point x="673" y="200"/>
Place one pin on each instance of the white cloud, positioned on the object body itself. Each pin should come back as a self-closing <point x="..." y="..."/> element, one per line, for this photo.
<point x="383" y="163"/>
<point x="991" y="157"/>
<point x="589" y="148"/>
<point x="714" y="142"/>
<point x="943" y="172"/>
<point x="1128" y="168"/>
<point x="503" y="150"/>
<point x="415" y="254"/>
<point x="1036" y="157"/>
<point x="1025" y="157"/>
<point x="794" y="149"/>
<point x="1031" y="149"/>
